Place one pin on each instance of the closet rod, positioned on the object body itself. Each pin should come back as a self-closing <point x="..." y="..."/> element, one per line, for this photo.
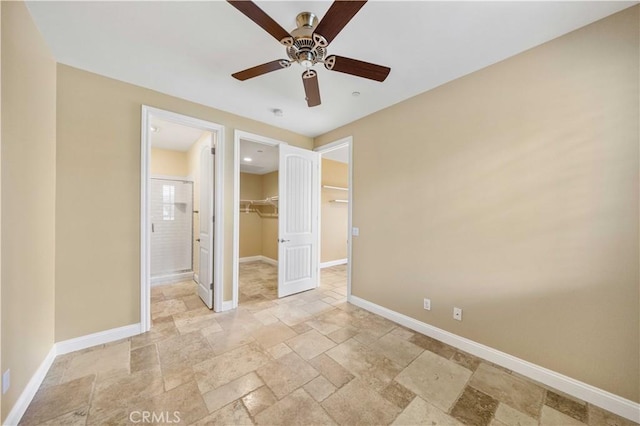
<point x="340" y="188"/>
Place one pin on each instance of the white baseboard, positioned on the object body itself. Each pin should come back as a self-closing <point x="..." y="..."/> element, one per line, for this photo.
<point x="249" y="259"/>
<point x="270" y="261"/>
<point x="610" y="402"/>
<point x="171" y="278"/>
<point x="62" y="348"/>
<point x="227" y="305"/>
<point x="99" y="338"/>
<point x="258" y="258"/>
<point x="30" y="390"/>
<point x="195" y="278"/>
<point x="334" y="263"/>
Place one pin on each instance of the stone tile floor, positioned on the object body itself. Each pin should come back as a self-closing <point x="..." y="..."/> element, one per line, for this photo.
<point x="307" y="359"/>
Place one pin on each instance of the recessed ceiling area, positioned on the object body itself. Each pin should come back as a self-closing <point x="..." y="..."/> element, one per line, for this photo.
<point x="257" y="158"/>
<point x="190" y="49"/>
<point x="172" y="136"/>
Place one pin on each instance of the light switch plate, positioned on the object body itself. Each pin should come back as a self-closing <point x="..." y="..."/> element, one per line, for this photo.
<point x="355" y="231"/>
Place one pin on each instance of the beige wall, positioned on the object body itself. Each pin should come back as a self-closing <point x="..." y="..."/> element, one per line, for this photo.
<point x="28" y="198"/>
<point x="104" y="171"/>
<point x="250" y="223"/>
<point x="193" y="171"/>
<point x="270" y="224"/>
<point x="334" y="217"/>
<point x="169" y="163"/>
<point x="513" y="194"/>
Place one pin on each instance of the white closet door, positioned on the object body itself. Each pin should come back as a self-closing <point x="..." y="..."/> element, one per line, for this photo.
<point x="298" y="220"/>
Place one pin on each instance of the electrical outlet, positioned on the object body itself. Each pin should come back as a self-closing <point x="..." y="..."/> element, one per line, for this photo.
<point x="355" y="231"/>
<point x="457" y="314"/>
<point x="427" y="304"/>
<point x="6" y="381"/>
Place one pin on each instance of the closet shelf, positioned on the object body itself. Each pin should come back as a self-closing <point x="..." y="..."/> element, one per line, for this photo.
<point x="338" y="201"/>
<point x="269" y="201"/>
<point x="251" y="206"/>
<point x="259" y="213"/>
<point x="339" y="188"/>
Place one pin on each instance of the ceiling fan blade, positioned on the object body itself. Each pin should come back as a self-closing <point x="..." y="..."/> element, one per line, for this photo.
<point x="357" y="68"/>
<point x="261" y="69"/>
<point x="337" y="17"/>
<point x="311" y="89"/>
<point x="257" y="15"/>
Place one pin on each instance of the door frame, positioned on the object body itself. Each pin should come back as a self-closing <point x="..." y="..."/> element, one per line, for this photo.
<point x="237" y="135"/>
<point x="145" y="236"/>
<point x="331" y="146"/>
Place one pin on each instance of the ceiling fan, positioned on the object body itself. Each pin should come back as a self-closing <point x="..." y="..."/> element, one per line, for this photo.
<point x="307" y="45"/>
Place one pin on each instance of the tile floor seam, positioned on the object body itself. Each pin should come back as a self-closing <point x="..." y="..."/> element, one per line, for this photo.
<point x="91" y="396"/>
<point x="466" y="385"/>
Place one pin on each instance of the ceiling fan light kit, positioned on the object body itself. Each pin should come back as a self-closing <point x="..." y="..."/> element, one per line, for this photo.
<point x="307" y="45"/>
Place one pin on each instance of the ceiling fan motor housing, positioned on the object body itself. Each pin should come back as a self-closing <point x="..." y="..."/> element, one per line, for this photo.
<point x="305" y="47"/>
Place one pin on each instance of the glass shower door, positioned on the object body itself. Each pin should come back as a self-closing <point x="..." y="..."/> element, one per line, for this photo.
<point x="171" y="227"/>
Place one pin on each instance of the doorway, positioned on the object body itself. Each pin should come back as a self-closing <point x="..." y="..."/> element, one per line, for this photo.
<point x="181" y="205"/>
<point x="294" y="204"/>
<point x="258" y="222"/>
<point x="336" y="207"/>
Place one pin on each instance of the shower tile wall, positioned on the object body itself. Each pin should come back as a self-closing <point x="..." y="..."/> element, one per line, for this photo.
<point x="171" y="236"/>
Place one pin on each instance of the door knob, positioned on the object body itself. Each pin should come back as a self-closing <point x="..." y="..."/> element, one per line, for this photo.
<point x="283" y="240"/>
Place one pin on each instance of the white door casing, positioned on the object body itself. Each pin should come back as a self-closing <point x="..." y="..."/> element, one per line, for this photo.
<point x="205" y="232"/>
<point x="218" y="134"/>
<point x="298" y="236"/>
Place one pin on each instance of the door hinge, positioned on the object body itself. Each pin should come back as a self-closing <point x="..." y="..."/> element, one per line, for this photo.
<point x="213" y="219"/>
<point x="211" y="286"/>
<point x="213" y="151"/>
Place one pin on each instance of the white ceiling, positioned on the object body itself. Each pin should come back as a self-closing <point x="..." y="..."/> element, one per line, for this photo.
<point x="173" y="136"/>
<point x="264" y="158"/>
<point x="190" y="49"/>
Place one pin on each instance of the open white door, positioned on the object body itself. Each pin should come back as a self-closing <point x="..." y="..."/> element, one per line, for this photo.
<point x="298" y="220"/>
<point x="205" y="272"/>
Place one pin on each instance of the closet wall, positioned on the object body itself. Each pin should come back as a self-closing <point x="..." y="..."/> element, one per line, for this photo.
<point x="258" y="235"/>
<point x="334" y="217"/>
<point x="250" y="223"/>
